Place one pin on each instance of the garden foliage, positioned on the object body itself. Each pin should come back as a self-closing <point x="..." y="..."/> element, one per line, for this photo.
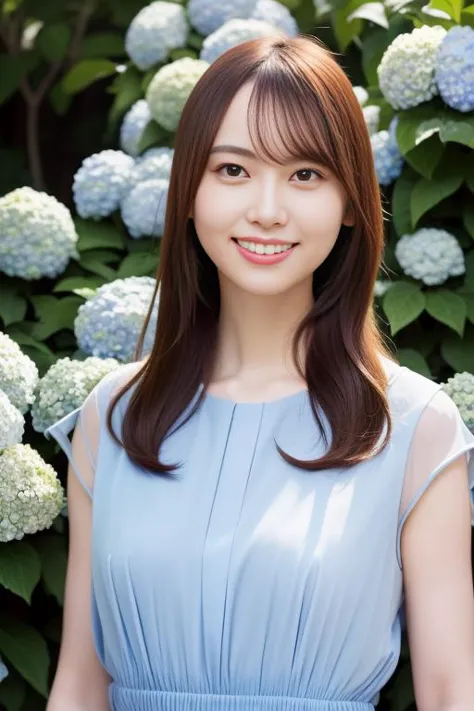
<point x="76" y="276"/>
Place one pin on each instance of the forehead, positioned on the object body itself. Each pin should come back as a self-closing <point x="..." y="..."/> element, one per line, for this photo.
<point x="234" y="125"/>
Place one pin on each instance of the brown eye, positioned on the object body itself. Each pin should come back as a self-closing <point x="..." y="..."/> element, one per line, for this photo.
<point x="231" y="170"/>
<point x="305" y="174"/>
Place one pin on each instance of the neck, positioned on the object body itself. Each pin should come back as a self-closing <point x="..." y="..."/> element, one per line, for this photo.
<point x="254" y="343"/>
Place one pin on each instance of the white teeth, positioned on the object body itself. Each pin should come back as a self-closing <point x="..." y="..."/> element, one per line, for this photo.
<point x="264" y="248"/>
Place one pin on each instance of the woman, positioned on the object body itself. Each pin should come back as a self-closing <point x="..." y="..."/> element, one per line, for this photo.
<point x="260" y="534"/>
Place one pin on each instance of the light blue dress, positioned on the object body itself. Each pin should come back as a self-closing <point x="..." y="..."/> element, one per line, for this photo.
<point x="249" y="584"/>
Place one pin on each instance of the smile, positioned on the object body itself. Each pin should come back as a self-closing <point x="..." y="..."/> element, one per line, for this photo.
<point x="259" y="253"/>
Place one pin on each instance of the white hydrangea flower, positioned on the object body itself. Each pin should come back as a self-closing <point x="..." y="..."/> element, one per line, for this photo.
<point x="387" y="157"/>
<point x="381" y="287"/>
<point x="154" y="31"/>
<point x="31" y="495"/>
<point x="361" y="94"/>
<point x="170" y="88"/>
<point x="154" y="164"/>
<point x="277" y="15"/>
<point x="460" y="389"/>
<point x="65" y="386"/>
<point x="454" y="72"/>
<point x="232" y="33"/>
<point x="37" y="235"/>
<point x="109" y="323"/>
<point x="133" y="125"/>
<point x="372" y="118"/>
<point x="101" y="182"/>
<point x="144" y="208"/>
<point x="406" y="71"/>
<point x="12" y="423"/>
<point x="431" y="255"/>
<point x="208" y="15"/>
<point x="18" y="374"/>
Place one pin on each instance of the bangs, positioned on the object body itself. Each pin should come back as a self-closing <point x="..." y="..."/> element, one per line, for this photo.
<point x="286" y="121"/>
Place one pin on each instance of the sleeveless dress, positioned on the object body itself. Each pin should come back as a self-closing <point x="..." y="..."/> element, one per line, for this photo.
<point x="247" y="584"/>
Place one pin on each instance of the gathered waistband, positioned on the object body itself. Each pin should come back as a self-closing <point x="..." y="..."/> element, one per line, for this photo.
<point x="125" y="699"/>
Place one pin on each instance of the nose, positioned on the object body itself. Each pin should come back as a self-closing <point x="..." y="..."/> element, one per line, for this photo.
<point x="267" y="207"/>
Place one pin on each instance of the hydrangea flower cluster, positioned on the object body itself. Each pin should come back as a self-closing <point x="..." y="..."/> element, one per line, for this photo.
<point x="108" y="324"/>
<point x="101" y="182"/>
<point x="144" y="208"/>
<point x="65" y="386"/>
<point x="133" y="125"/>
<point x="170" y="88"/>
<point x="387" y="157"/>
<point x="431" y="255"/>
<point x="31" y="496"/>
<point x="372" y="118"/>
<point x="154" y="31"/>
<point x="155" y="163"/>
<point x="381" y="287"/>
<point x="3" y="671"/>
<point x="18" y="374"/>
<point x="37" y="235"/>
<point x="12" y="423"/>
<point x="361" y="93"/>
<point x="461" y="389"/>
<point x="232" y="33"/>
<point x="277" y="15"/>
<point x="454" y="71"/>
<point x="406" y="72"/>
<point x="208" y="15"/>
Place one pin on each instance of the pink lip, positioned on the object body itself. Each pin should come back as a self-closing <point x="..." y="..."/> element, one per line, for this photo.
<point x="264" y="258"/>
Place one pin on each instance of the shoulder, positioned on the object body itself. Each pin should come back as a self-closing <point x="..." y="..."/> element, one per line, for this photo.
<point x="114" y="381"/>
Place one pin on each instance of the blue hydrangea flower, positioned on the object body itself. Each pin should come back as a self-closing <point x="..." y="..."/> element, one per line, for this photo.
<point x="454" y="72"/>
<point x="133" y="125"/>
<point x="208" y="15"/>
<point x="406" y="70"/>
<point x="144" y="209"/>
<point x="109" y="323"/>
<point x="65" y="386"/>
<point x="387" y="157"/>
<point x="431" y="255"/>
<point x="277" y="15"/>
<point x="154" y="31"/>
<point x="18" y="374"/>
<point x="3" y="671"/>
<point x="170" y="88"/>
<point x="37" y="235"/>
<point x="155" y="163"/>
<point x="361" y="94"/>
<point x="231" y="34"/>
<point x="101" y="182"/>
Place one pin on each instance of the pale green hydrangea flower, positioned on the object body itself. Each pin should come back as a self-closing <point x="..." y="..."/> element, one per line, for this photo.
<point x="12" y="423"/>
<point x="18" y="374"/>
<point x="460" y="389"/>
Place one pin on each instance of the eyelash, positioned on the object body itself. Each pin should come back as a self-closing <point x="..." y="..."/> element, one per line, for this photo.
<point x="236" y="165"/>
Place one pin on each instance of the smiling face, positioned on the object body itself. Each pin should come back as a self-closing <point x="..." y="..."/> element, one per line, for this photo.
<point x="266" y="225"/>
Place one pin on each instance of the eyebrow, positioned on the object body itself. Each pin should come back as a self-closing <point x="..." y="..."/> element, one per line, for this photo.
<point x="241" y="151"/>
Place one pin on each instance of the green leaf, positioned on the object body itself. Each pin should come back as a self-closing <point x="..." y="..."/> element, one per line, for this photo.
<point x="12" y="69"/>
<point x="49" y="11"/>
<point x="372" y="11"/>
<point x="401" y="202"/>
<point x="95" y="235"/>
<point x="468" y="218"/>
<point x="53" y="41"/>
<point x="416" y="125"/>
<point x="12" y="306"/>
<point x="468" y="171"/>
<point x="196" y="41"/>
<point x="12" y="692"/>
<point x="181" y="52"/>
<point x="414" y="360"/>
<point x="425" y="156"/>
<point x="467" y="16"/>
<point x="451" y="7"/>
<point x="53" y="554"/>
<point x="53" y="314"/>
<point x="459" y="353"/>
<point x="102" y="44"/>
<point x="19" y="569"/>
<point x="345" y="31"/>
<point x="469" y="299"/>
<point x="428" y="193"/>
<point x="448" y="308"/>
<point x="403" y="303"/>
<point x="151" y="136"/>
<point x="60" y="101"/>
<point x="95" y="266"/>
<point x="86" y="72"/>
<point x="459" y="129"/>
<point x="127" y="88"/>
<point x="26" y="340"/>
<point x="75" y="283"/>
<point x="139" y="264"/>
<point x="27" y="651"/>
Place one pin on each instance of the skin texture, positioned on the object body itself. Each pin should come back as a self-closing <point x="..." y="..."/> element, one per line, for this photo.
<point x="240" y="196"/>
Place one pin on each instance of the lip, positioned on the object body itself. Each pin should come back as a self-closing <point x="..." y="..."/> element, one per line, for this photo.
<point x="265" y="259"/>
<point x="261" y="240"/>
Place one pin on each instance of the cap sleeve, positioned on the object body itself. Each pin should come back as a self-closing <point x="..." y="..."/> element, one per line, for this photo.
<point x="440" y="437"/>
<point x="81" y="450"/>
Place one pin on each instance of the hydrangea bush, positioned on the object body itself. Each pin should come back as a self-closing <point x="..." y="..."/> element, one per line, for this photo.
<point x="157" y="29"/>
<point x="461" y="389"/>
<point x="102" y="182"/>
<point x="12" y="423"/>
<point x="431" y="255"/>
<point x="18" y="374"/>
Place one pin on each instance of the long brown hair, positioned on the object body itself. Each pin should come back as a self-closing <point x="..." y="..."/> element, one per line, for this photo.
<point x="301" y="92"/>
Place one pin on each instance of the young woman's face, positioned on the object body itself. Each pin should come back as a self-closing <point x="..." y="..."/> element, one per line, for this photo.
<point x="244" y="205"/>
